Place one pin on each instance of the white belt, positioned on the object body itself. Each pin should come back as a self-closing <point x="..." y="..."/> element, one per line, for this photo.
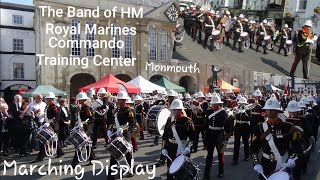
<point x="216" y="128"/>
<point x="269" y="157"/>
<point x="173" y="141"/>
<point x="256" y="113"/>
<point x="242" y="122"/>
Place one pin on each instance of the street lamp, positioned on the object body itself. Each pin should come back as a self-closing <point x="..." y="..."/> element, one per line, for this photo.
<point x="314" y="19"/>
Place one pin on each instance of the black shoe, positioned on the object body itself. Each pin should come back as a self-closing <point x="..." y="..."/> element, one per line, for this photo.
<point x="94" y="147"/>
<point x="206" y="177"/>
<point x="5" y="154"/>
<point x="141" y="139"/>
<point x="59" y="155"/>
<point x="128" y="175"/>
<point x="286" y="55"/>
<point x="265" y="53"/>
<point x="160" y="163"/>
<point x="37" y="160"/>
<point x="220" y="175"/>
<point x="246" y="159"/>
<point x="22" y="155"/>
<point x="234" y="163"/>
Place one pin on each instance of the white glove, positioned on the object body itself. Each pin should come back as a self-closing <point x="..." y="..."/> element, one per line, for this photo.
<point x="186" y="150"/>
<point x="46" y="125"/>
<point x="258" y="168"/>
<point x="290" y="164"/>
<point x="119" y="131"/>
<point x="109" y="133"/>
<point x="262" y="33"/>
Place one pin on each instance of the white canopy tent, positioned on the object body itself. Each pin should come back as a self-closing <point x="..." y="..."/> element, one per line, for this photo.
<point x="145" y="85"/>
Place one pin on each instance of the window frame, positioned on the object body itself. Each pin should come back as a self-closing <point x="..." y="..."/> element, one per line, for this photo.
<point x="153" y="40"/>
<point x="115" y="52"/>
<point x="19" y="16"/>
<point x="164" y="45"/>
<point x="19" y="45"/>
<point x="75" y="51"/>
<point x="21" y="72"/>
<point x="90" y="52"/>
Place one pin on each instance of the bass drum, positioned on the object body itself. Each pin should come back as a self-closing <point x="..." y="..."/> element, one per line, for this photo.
<point x="289" y="46"/>
<point x="228" y="25"/>
<point x="156" y="119"/>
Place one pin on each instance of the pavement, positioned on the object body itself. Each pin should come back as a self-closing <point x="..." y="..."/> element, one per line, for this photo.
<point x="146" y="155"/>
<point x="250" y="59"/>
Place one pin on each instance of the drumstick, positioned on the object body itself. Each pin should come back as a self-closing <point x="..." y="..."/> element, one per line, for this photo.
<point x="165" y="153"/>
<point x="264" y="176"/>
<point x="286" y="167"/>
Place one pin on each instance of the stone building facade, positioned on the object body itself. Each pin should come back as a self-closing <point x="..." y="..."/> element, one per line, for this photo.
<point x="152" y="43"/>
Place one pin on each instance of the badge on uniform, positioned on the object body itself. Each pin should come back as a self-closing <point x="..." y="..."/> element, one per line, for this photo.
<point x="279" y="134"/>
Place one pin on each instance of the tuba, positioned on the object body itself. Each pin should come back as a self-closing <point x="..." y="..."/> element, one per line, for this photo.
<point x="96" y="104"/>
<point x="196" y="109"/>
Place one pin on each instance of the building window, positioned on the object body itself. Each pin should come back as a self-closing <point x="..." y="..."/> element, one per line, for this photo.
<point x="90" y="37"/>
<point x="116" y="37"/>
<point x="18" y="70"/>
<point x="17" y="45"/>
<point x="17" y="20"/>
<point x="163" y="45"/>
<point x="152" y="44"/>
<point x="75" y="50"/>
<point x="128" y="45"/>
<point x="303" y="5"/>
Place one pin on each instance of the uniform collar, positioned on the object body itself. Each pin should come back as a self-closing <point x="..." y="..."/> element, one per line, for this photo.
<point x="180" y="115"/>
<point x="123" y="106"/>
<point x="274" y="123"/>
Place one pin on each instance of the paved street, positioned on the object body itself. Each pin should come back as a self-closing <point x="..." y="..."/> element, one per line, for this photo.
<point x="250" y="59"/>
<point x="148" y="155"/>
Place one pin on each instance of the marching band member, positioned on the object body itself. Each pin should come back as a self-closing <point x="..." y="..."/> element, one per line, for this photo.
<point x="197" y="25"/>
<point x="257" y="114"/>
<point x="86" y="118"/>
<point x="187" y="104"/>
<point x="306" y="132"/>
<point x="171" y="95"/>
<point x="313" y="113"/>
<point x="133" y="128"/>
<point x="226" y="34"/>
<point x="208" y="28"/>
<point x="217" y="134"/>
<point x="241" y="129"/>
<point x="52" y="115"/>
<point x="139" y="114"/>
<point x="124" y="119"/>
<point x="198" y="117"/>
<point x="303" y="49"/>
<point x="100" y="115"/>
<point x="284" y="36"/>
<point x="275" y="138"/>
<point x="261" y="33"/>
<point x="238" y="29"/>
<point x="252" y="29"/>
<point x="177" y="131"/>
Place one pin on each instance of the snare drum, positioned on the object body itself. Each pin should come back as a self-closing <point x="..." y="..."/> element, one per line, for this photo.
<point x="280" y="175"/>
<point x="216" y="34"/>
<point x="289" y="43"/>
<point x="182" y="168"/>
<point x="267" y="39"/>
<point x="118" y="148"/>
<point x="156" y="119"/>
<point x="244" y="36"/>
<point x="46" y="134"/>
<point x="78" y="138"/>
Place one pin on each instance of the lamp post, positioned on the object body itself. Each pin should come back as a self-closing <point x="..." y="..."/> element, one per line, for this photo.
<point x="296" y="18"/>
<point x="314" y="19"/>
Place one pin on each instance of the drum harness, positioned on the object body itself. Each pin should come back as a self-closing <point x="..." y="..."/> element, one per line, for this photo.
<point x="277" y="156"/>
<point x="212" y="127"/>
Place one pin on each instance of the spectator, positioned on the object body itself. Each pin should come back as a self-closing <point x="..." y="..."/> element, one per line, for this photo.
<point x="12" y="124"/>
<point x="74" y="109"/>
<point x="5" y="118"/>
<point x="25" y="127"/>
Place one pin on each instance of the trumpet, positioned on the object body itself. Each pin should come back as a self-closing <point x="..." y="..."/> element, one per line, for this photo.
<point x="197" y="110"/>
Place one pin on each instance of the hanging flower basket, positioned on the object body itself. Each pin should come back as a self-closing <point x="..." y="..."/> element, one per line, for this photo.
<point x="317" y="10"/>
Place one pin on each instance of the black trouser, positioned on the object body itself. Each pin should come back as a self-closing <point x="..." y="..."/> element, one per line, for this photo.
<point x="214" y="141"/>
<point x="42" y="153"/>
<point x="264" y="46"/>
<point x="251" y="36"/>
<point x="75" y="160"/>
<point x="235" y="40"/>
<point x="282" y="46"/>
<point x="23" y="141"/>
<point x="198" y="129"/>
<point x="4" y="141"/>
<point x="206" y="37"/>
<point x="241" y="130"/>
<point x="194" y="35"/>
<point x="297" y="59"/>
<point x="227" y="35"/>
<point x="99" y="124"/>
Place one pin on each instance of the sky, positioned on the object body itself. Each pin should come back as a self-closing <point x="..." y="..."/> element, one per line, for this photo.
<point x="26" y="2"/>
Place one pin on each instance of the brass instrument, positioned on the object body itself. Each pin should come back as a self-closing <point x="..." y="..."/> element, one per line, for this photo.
<point x="197" y="109"/>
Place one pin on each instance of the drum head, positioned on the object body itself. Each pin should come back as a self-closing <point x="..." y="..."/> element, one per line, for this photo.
<point x="162" y="119"/>
<point x="280" y="175"/>
<point x="289" y="42"/>
<point x="176" y="164"/>
<point x="267" y="37"/>
<point x="244" y="34"/>
<point x="215" y="32"/>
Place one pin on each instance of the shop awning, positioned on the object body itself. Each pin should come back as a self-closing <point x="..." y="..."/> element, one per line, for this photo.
<point x="44" y="90"/>
<point x="145" y="85"/>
